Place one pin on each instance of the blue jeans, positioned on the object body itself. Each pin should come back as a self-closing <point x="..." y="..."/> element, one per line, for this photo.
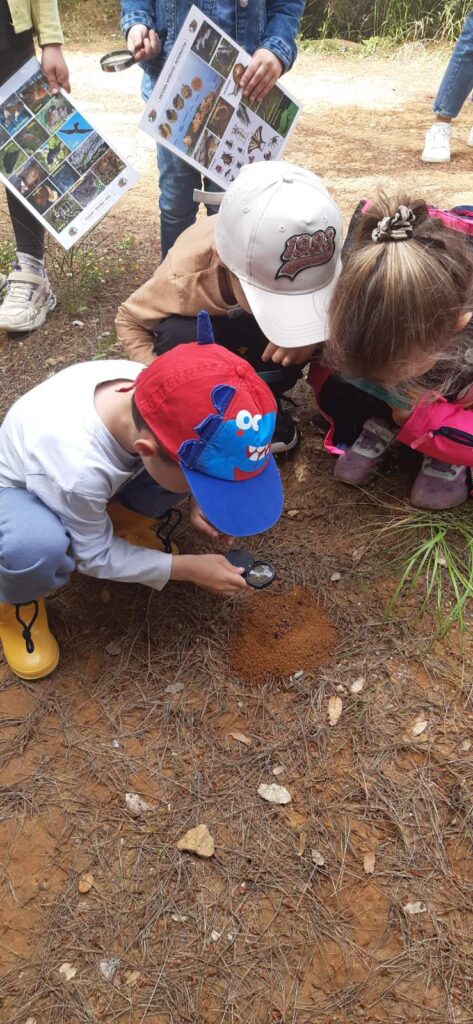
<point x="177" y="181"/>
<point x="35" y="551"/>
<point x="457" y="81"/>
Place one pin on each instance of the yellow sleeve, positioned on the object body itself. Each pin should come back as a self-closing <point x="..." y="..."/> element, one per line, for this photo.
<point x="46" y="21"/>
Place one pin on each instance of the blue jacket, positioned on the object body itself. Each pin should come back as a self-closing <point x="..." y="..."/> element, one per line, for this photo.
<point x="270" y="23"/>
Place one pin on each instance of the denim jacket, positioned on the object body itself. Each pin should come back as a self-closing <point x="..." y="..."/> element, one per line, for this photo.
<point x="270" y="23"/>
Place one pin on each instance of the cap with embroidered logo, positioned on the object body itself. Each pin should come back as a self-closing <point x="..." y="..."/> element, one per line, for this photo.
<point x="213" y="415"/>
<point x="280" y="232"/>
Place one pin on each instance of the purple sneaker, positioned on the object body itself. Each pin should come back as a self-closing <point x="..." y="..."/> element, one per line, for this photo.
<point x="440" y="485"/>
<point x="359" y="463"/>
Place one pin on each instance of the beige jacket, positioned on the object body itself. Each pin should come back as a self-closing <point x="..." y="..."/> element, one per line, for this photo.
<point x="191" y="278"/>
<point x="40" y="15"/>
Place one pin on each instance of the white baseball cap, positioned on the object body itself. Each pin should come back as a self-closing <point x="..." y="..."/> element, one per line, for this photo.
<point x="279" y="231"/>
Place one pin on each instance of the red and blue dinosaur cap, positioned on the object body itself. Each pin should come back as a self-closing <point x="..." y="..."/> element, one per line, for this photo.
<point x="213" y="415"/>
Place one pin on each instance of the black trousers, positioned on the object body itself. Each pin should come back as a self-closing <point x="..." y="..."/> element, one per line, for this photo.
<point x="29" y="233"/>
<point x="240" y="334"/>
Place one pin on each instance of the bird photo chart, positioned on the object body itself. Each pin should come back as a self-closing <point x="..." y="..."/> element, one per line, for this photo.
<point x="54" y="159"/>
<point x="198" y="111"/>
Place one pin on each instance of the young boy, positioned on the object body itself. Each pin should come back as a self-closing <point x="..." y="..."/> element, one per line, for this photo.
<point x="264" y="268"/>
<point x="198" y="421"/>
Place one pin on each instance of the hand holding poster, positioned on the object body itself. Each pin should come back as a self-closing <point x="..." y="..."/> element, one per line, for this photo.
<point x="198" y="111"/>
<point x="53" y="158"/>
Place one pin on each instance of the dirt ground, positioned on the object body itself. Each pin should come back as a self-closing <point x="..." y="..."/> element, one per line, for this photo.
<point x="353" y="902"/>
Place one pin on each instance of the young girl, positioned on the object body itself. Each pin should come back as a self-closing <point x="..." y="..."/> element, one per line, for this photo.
<point x="29" y="296"/>
<point x="399" y="361"/>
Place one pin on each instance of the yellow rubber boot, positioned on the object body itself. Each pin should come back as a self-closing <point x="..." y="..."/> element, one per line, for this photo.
<point x="137" y="529"/>
<point x="29" y="647"/>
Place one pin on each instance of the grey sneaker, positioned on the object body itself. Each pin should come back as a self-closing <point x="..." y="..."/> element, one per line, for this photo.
<point x="440" y="485"/>
<point x="359" y="463"/>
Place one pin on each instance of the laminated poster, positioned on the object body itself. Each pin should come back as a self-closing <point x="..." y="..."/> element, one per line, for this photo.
<point x="54" y="159"/>
<point x="197" y="109"/>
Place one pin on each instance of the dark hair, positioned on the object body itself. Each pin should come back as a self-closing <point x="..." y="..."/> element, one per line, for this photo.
<point x="398" y="298"/>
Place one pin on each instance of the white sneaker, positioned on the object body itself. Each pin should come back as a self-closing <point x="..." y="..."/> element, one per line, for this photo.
<point x="469" y="140"/>
<point x="28" y="301"/>
<point x="437" y="143"/>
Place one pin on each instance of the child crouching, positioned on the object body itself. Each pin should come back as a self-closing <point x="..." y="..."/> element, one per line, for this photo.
<point x="400" y="348"/>
<point x="197" y="422"/>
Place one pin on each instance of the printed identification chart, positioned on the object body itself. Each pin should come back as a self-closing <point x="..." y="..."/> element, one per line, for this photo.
<point x="53" y="158"/>
<point x="198" y="111"/>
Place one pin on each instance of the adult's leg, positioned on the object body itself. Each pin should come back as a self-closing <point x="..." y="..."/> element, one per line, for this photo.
<point x="29" y="233"/>
<point x="177" y="181"/>
<point x="29" y="297"/>
<point x="457" y="81"/>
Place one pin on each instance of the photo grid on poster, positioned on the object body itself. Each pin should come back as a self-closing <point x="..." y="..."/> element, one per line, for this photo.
<point x="53" y="158"/>
<point x="197" y="108"/>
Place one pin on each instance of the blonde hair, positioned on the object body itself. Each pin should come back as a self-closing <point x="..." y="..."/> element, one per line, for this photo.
<point x="400" y="297"/>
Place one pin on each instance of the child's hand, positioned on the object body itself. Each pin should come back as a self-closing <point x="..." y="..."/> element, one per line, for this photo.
<point x="55" y="68"/>
<point x="199" y="522"/>
<point x="212" y="572"/>
<point x="262" y="72"/>
<point x="288" y="356"/>
<point x="143" y="42"/>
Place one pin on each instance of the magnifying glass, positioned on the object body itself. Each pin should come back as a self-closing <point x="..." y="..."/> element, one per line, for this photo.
<point x="117" y="60"/>
<point x="257" y="574"/>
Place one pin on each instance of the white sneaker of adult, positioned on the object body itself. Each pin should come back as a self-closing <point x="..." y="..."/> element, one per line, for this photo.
<point x="437" y="143"/>
<point x="28" y="301"/>
<point x="469" y="140"/>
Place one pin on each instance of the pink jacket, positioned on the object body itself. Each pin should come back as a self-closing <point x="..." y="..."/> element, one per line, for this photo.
<point x="440" y="428"/>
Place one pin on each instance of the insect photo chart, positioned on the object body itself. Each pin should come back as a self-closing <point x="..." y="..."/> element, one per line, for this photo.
<point x="198" y="111"/>
<point x="54" y="159"/>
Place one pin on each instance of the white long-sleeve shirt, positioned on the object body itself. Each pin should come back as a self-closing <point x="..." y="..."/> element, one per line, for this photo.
<point x="54" y="444"/>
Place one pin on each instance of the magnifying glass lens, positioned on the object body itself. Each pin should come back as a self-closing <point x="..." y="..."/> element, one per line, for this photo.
<point x="260" y="575"/>
<point x="117" y="61"/>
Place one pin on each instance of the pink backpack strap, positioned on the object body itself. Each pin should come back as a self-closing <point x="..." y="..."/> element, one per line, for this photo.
<point x="460" y="218"/>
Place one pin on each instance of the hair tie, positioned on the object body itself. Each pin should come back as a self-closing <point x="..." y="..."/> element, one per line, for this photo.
<point x="395" y="228"/>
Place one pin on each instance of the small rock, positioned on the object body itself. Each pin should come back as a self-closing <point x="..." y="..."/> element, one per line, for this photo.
<point x="215" y="936"/>
<point x="136" y="805"/>
<point x="198" y="840"/>
<point x="414" y="907"/>
<point x="419" y="726"/>
<point x="278" y="770"/>
<point x="77" y="323"/>
<point x="67" y="971"/>
<point x="335" y="577"/>
<point x="178" y="918"/>
<point x="131" y="977"/>
<point x="335" y="708"/>
<point x="358" y="685"/>
<point x="109" y="968"/>
<point x="174" y="688"/>
<point x="317" y="858"/>
<point x="113" y="648"/>
<point x="31" y="1020"/>
<point x="297" y="675"/>
<point x="274" y="794"/>
<point x="466" y="745"/>
<point x="85" y="882"/>
<point x="230" y="936"/>
<point x="115" y="745"/>
<point x="369" y="861"/>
